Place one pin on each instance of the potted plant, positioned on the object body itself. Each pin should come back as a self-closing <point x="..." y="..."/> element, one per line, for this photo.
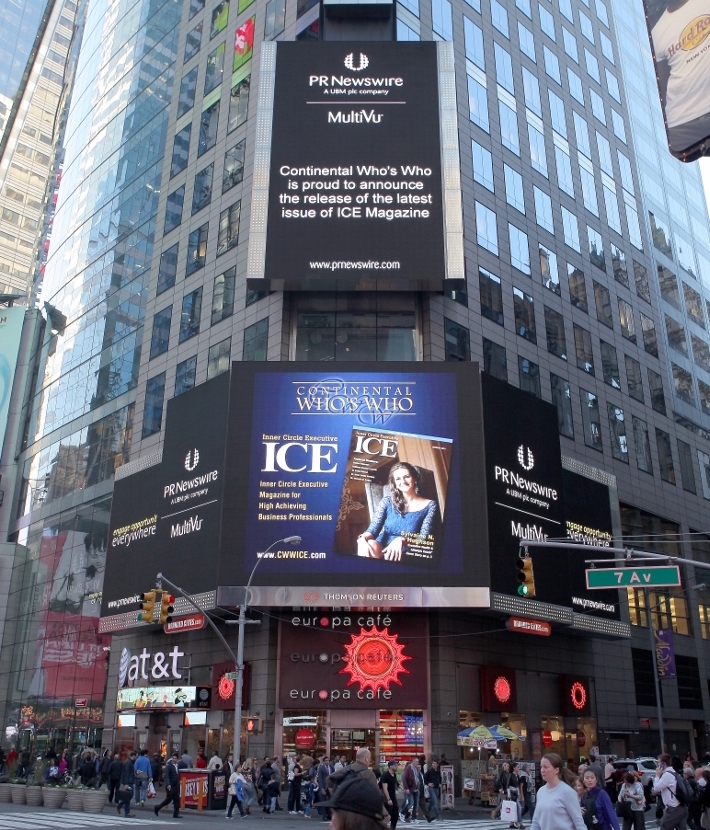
<point x="94" y="800"/>
<point x="74" y="796"/>
<point x="53" y="796"/>
<point x="33" y="790"/>
<point x="18" y="789"/>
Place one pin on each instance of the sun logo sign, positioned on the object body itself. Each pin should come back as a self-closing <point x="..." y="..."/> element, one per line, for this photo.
<point x="375" y="659"/>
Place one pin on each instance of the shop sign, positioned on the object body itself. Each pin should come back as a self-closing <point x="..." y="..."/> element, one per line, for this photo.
<point x="305" y="738"/>
<point x="192" y="622"/>
<point x="81" y="702"/>
<point x="546" y="737"/>
<point x="340" y="663"/>
<point x="498" y="689"/>
<point x="665" y="654"/>
<point x="191" y="784"/>
<point x="575" y="695"/>
<point x="147" y="666"/>
<point x="164" y="697"/>
<point x="525" y="626"/>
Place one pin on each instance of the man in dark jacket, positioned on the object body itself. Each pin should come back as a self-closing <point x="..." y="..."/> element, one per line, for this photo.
<point x="388" y="782"/>
<point x="114" y="777"/>
<point x="172" y="788"/>
<point x="128" y="781"/>
<point x="157" y="769"/>
<point x="265" y="773"/>
<point x="432" y="781"/>
<point x="324" y="772"/>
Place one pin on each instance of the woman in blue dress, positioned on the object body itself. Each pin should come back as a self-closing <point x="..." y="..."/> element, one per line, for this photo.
<point x="401" y="511"/>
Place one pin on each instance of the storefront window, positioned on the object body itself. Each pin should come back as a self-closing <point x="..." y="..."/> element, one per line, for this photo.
<point x="401" y="734"/>
<point x="344" y="743"/>
<point x="305" y="732"/>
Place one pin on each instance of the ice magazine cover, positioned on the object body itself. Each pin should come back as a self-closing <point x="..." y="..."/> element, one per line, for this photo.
<point x="393" y="503"/>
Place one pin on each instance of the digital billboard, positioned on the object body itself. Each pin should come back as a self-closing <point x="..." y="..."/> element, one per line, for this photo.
<point x="355" y="171"/>
<point x="678" y="31"/>
<point x="167" y="517"/>
<point x="531" y="498"/>
<point x="377" y="468"/>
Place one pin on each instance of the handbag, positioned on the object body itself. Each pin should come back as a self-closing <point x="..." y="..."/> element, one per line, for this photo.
<point x="623" y="809"/>
<point x="509" y="811"/>
<point x="151" y="790"/>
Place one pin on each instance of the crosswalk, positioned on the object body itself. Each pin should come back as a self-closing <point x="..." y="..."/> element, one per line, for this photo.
<point x="65" y="820"/>
<point x="494" y="824"/>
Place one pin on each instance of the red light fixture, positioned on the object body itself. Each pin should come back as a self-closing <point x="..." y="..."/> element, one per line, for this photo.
<point x="226" y="687"/>
<point x="375" y="659"/>
<point x="501" y="689"/>
<point x="578" y="694"/>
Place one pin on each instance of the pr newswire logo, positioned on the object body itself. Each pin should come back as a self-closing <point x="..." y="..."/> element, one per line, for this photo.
<point x="192" y="459"/>
<point x="525" y="458"/>
<point x="350" y="63"/>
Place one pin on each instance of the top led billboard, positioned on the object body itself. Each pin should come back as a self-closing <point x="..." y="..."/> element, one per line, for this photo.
<point x="679" y="31"/>
<point x="355" y="193"/>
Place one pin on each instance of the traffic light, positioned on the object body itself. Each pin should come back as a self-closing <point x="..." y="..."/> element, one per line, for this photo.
<point x="526" y="577"/>
<point x="166" y="607"/>
<point x="147" y="607"/>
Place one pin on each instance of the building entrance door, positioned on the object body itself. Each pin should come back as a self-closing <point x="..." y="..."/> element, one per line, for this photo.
<point x="346" y="742"/>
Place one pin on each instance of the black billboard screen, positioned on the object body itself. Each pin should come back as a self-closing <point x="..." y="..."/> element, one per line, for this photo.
<point x="167" y="517"/>
<point x="679" y="32"/>
<point x="355" y="188"/>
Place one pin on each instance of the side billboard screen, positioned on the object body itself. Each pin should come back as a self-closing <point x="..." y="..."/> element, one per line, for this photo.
<point x="679" y="32"/>
<point x="377" y="469"/>
<point x="355" y="181"/>
<point x="530" y="497"/>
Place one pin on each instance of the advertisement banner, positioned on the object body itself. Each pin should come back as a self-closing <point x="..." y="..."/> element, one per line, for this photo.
<point x="679" y="32"/>
<point x="378" y="471"/>
<point x="167" y="517"/>
<point x="11" y="320"/>
<point x="665" y="654"/>
<point x="530" y="497"/>
<point x="355" y="187"/>
<point x="348" y="660"/>
<point x="164" y="697"/>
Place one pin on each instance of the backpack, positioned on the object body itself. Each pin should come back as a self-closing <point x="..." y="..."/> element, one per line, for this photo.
<point x="591" y="817"/>
<point x="339" y="778"/>
<point x="683" y="790"/>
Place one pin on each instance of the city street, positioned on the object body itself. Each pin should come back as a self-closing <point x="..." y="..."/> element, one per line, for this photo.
<point x="16" y="817"/>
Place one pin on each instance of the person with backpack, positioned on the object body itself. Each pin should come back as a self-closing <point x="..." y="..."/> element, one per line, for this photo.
<point x="694" y="808"/>
<point x="360" y="768"/>
<point x="672" y="789"/>
<point x="597" y="809"/>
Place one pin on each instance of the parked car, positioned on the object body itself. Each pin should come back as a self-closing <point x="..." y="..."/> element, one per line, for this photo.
<point x="645" y="768"/>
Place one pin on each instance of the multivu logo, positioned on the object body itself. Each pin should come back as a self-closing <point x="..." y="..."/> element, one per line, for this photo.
<point x="354" y="117"/>
<point x="350" y="64"/>
<point x="192" y="459"/>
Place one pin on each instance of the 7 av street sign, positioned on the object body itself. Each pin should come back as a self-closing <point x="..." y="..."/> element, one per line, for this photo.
<point x="664" y="576"/>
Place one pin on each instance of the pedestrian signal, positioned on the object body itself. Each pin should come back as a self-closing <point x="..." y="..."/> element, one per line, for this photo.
<point x="253" y="725"/>
<point x="526" y="577"/>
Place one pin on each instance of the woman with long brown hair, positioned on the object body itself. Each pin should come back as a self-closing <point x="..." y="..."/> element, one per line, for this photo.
<point x="402" y="511"/>
<point x="557" y="806"/>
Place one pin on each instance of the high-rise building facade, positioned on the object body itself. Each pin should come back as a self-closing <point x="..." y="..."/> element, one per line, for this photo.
<point x="583" y="289"/>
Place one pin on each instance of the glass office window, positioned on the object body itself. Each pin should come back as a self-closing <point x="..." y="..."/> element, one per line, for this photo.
<point x="626" y="320"/>
<point x="531" y="90"/>
<point x="570" y="44"/>
<point x="537" y="150"/>
<point x="581" y="131"/>
<point x="557" y="113"/>
<point x="543" y="209"/>
<point x="555" y="332"/>
<point x="683" y="384"/>
<point x="633" y="378"/>
<point x="275" y="19"/>
<point x="613" y="218"/>
<point x="524" y="309"/>
<point x="181" y="151"/>
<point x="704" y="393"/>
<point x="228" y="233"/>
<point x="589" y="191"/>
<point x="504" y="68"/>
<point x="202" y="192"/>
<point x="499" y="18"/>
<point x="676" y="335"/>
<point x="529" y="376"/>
<point x="562" y="399"/>
<point x="619" y="266"/>
<point x="525" y="7"/>
<point x="473" y="40"/>
<point x="153" y="407"/>
<point x="167" y="269"/>
<point x="596" y="248"/>
<point x="648" y="329"/>
<point x="519" y="249"/>
<point x="687" y="474"/>
<point x="607" y="48"/>
<point x="197" y="249"/>
<point x="585" y="24"/>
<point x="239" y="104"/>
<point x="482" y="165"/>
<point x="564" y="171"/>
<point x="185" y="373"/>
<point x="617" y="122"/>
<point x="494" y="360"/>
<point x="190" y="315"/>
<point x="617" y="429"/>
<point x="655" y="385"/>
<point x="591" y="420"/>
<point x="457" y="341"/>
<point x="256" y="340"/>
<point x="220" y="17"/>
<point x="218" y="358"/>
<point x="612" y="84"/>
<point x="642" y="445"/>
<point x="577" y="287"/>
<point x="233" y="171"/>
<point x="527" y="41"/>
<point x="186" y="96"/>
<point x="477" y="103"/>
<point x="570" y="227"/>
<point x="583" y="349"/>
<point x="575" y="85"/>
<point x="552" y="65"/>
<point x="548" y="269"/>
<point x="491" y="296"/>
<point x="160" y="335"/>
<point x="193" y="42"/>
<point x="514" y="188"/>
<point x="592" y="65"/>
<point x="602" y="301"/>
<point x="701" y="352"/>
<point x="215" y="68"/>
<point x="509" y="128"/>
<point x="665" y="456"/>
<point x="486" y="229"/>
<point x="547" y="21"/>
<point x="173" y="209"/>
<point x="223" y="295"/>
<point x="641" y="282"/>
<point x="610" y="365"/>
<point x="693" y="305"/>
<point x="208" y="129"/>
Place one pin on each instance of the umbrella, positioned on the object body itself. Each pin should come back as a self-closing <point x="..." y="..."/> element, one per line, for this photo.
<point x="478" y="733"/>
<point x="503" y="733"/>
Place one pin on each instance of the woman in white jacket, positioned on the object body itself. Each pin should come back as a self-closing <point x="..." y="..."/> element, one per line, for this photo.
<point x="236" y="790"/>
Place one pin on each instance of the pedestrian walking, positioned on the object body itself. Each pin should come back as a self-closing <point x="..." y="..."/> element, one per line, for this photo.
<point x="631" y="804"/>
<point x="500" y="786"/>
<point x="273" y="793"/>
<point x="143" y="772"/>
<point x="294" y="790"/>
<point x="156" y="768"/>
<point x="114" y="776"/>
<point x="215" y="761"/>
<point x="128" y="782"/>
<point x="694" y="808"/>
<point x="236" y="791"/>
<point x="388" y="784"/>
<point x="360" y="768"/>
<point x="410" y="785"/>
<point x="265" y="773"/>
<point x="557" y="806"/>
<point x="103" y="769"/>
<point x="675" y="815"/>
<point x="597" y="808"/>
<point x="432" y="779"/>
<point x="186" y="759"/>
<point x="172" y="787"/>
<point x="201" y="761"/>
<point x="526" y="787"/>
<point x="276" y="771"/>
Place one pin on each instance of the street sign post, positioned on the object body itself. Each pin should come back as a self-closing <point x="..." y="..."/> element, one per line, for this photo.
<point x="664" y="576"/>
<point x="230" y="675"/>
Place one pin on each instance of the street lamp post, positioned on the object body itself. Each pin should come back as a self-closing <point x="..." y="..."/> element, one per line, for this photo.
<point x="656" y="681"/>
<point x="241" y="622"/>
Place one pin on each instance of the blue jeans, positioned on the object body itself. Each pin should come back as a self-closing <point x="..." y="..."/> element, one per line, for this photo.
<point x="140" y="789"/>
<point x="411" y="801"/>
<point x="434" y="802"/>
